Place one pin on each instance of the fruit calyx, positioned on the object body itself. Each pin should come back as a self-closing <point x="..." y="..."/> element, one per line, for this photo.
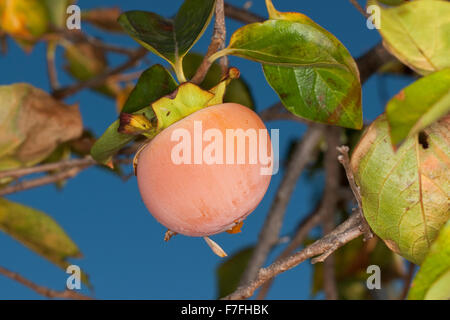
<point x="185" y="100"/>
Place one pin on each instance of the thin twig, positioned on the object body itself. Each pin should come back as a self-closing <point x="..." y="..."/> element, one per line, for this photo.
<point x="278" y="112"/>
<point x="61" y="165"/>
<point x="52" y="178"/>
<point x="359" y="8"/>
<point x="241" y="15"/>
<point x="345" y="232"/>
<point x="331" y="196"/>
<point x="46" y="292"/>
<point x="407" y="280"/>
<point x="371" y="61"/>
<point x="302" y="155"/>
<point x="100" y="79"/>
<point x="51" y="67"/>
<point x="332" y="171"/>
<point x="217" y="43"/>
<point x="345" y="161"/>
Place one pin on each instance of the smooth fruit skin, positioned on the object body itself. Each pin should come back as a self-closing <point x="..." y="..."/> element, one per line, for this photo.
<point x="202" y="199"/>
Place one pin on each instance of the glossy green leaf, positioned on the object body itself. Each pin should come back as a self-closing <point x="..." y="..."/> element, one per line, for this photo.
<point x="419" y="105"/>
<point x="171" y="39"/>
<point x="312" y="72"/>
<point x="238" y="90"/>
<point x="153" y="83"/>
<point x="417" y="33"/>
<point x="37" y="231"/>
<point x="230" y="271"/>
<point x="405" y="193"/>
<point x="432" y="281"/>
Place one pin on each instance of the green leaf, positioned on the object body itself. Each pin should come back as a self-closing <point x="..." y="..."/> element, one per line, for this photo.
<point x="312" y="72"/>
<point x="57" y="11"/>
<point x="110" y="143"/>
<point x="419" y="105"/>
<point x="153" y="83"/>
<point x="417" y="33"/>
<point x="37" y="231"/>
<point x="432" y="281"/>
<point x="230" y="271"/>
<point x="185" y="100"/>
<point x="238" y="90"/>
<point x="405" y="193"/>
<point x="170" y="39"/>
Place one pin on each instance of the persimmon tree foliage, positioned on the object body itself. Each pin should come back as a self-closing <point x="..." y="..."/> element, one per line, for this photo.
<point x="396" y="180"/>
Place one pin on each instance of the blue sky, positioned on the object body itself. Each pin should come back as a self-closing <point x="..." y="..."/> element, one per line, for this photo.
<point x="123" y="247"/>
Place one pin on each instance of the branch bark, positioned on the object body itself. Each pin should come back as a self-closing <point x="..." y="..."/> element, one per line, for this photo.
<point x="345" y="232"/>
<point x="217" y="43"/>
<point x="327" y="206"/>
<point x="303" y="154"/>
<point x="70" y="169"/>
<point x="46" y="292"/>
<point x="345" y="161"/>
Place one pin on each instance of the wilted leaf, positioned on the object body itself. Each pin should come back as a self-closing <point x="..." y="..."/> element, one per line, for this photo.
<point x="419" y="105"/>
<point x="32" y="125"/>
<point x="229" y="272"/>
<point x="170" y="39"/>
<point x="153" y="83"/>
<point x="312" y="72"/>
<point x="237" y="91"/>
<point x="104" y="18"/>
<point x="85" y="61"/>
<point x="432" y="282"/>
<point x="417" y="33"/>
<point x="405" y="193"/>
<point x="37" y="231"/>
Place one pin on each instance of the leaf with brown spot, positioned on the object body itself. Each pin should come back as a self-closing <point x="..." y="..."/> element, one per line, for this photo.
<point x="405" y="193"/>
<point x="33" y="125"/>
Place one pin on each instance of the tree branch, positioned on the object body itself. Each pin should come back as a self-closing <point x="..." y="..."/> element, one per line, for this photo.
<point x="241" y="15"/>
<point x="303" y="154"/>
<point x="217" y="43"/>
<point x="332" y="171"/>
<point x="46" y="292"/>
<point x="100" y="79"/>
<point x="345" y="161"/>
<point x="327" y="206"/>
<point x="345" y="232"/>
<point x="359" y="8"/>
<point x="51" y="67"/>
<point x="70" y="168"/>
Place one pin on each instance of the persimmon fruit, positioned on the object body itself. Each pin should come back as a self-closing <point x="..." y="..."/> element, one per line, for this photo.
<point x="202" y="199"/>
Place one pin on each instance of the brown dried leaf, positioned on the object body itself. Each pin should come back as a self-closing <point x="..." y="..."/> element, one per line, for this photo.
<point x="33" y="124"/>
